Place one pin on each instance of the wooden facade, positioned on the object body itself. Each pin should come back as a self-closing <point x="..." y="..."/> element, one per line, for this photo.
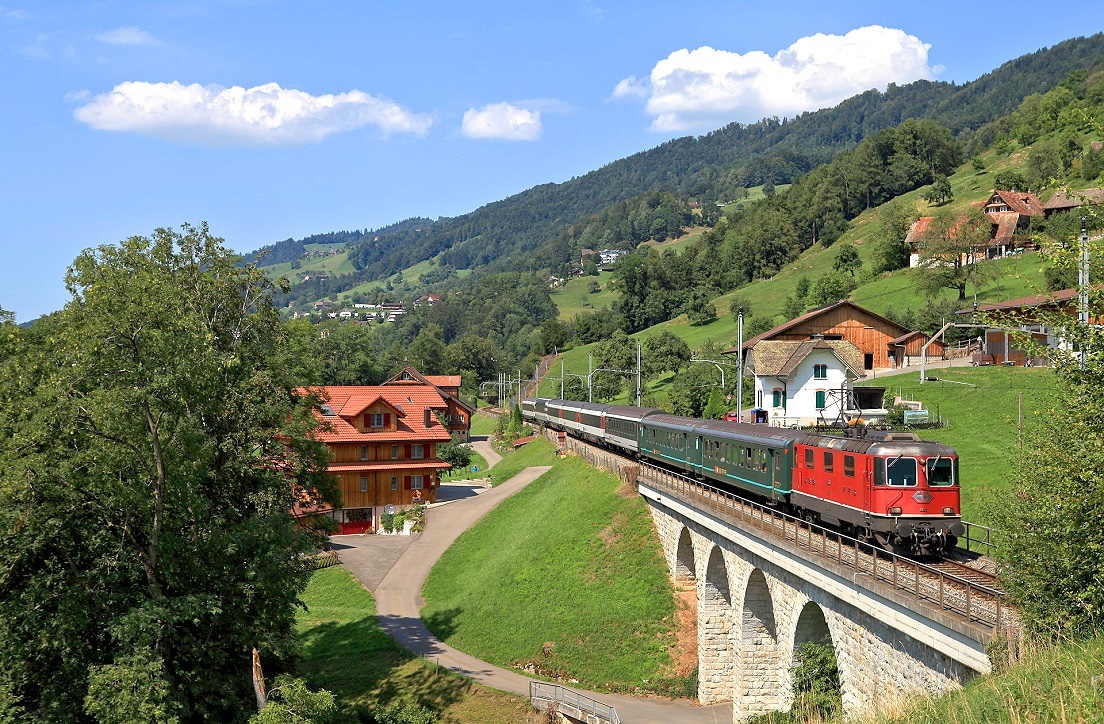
<point x="873" y="334"/>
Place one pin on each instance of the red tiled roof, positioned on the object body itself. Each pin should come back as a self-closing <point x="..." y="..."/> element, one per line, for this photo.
<point x="918" y="227"/>
<point x="443" y="380"/>
<point x="1020" y="202"/>
<point x="412" y="400"/>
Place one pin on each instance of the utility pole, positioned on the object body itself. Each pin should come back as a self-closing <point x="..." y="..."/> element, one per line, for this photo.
<point x="638" y="374"/>
<point x="562" y="379"/>
<point x="740" y="367"/>
<point x="1083" y="284"/>
<point x="590" y="374"/>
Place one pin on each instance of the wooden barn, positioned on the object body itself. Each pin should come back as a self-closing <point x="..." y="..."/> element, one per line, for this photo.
<point x="909" y="348"/>
<point x="873" y="334"/>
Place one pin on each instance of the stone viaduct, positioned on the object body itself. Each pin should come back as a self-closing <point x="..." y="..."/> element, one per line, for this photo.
<point x="758" y="600"/>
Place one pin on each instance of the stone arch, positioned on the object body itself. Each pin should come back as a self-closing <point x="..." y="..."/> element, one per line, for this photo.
<point x="760" y="667"/>
<point x="685" y="569"/>
<point x="716" y="657"/>
<point x="811" y="627"/>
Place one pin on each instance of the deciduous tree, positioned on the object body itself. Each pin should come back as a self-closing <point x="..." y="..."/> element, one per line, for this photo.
<point x="151" y="447"/>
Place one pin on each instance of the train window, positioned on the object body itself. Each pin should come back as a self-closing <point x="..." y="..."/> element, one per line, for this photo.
<point x="901" y="471"/>
<point x="849" y="465"/>
<point x="777" y="463"/>
<point x="747" y="459"/>
<point x="829" y="464"/>
<point x="879" y="471"/>
<point x="809" y="457"/>
<point x="940" y="472"/>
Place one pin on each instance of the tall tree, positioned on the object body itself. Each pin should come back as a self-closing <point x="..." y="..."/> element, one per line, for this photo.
<point x="152" y="445"/>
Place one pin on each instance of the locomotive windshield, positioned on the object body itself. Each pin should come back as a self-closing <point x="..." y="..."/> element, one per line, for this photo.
<point x="941" y="471"/>
<point x="898" y="471"/>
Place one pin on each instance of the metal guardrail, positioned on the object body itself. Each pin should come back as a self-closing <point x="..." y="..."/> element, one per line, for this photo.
<point x="556" y="694"/>
<point x="947" y="592"/>
<point x="977" y="538"/>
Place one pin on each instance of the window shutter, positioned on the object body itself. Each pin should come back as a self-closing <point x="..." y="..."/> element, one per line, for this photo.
<point x="408" y="451"/>
<point x="387" y="419"/>
<point x="406" y="483"/>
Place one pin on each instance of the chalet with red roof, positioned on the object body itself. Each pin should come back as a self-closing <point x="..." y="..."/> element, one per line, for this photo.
<point x="1011" y="213"/>
<point x="384" y="441"/>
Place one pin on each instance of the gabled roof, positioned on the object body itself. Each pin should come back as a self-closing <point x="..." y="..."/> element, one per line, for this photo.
<point x="410" y="400"/>
<point x="781" y="358"/>
<point x="1006" y="222"/>
<point x="796" y="321"/>
<point x="417" y="377"/>
<point x="1019" y="201"/>
<point x="1061" y="200"/>
<point x="359" y="403"/>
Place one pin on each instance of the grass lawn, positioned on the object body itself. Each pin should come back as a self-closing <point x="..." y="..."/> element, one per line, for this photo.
<point x="483" y="424"/>
<point x="465" y="473"/>
<point x="346" y="652"/>
<point x="982" y="422"/>
<point x="567" y="560"/>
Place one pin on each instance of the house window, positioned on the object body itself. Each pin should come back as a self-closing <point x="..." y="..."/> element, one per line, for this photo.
<point x="416" y="482"/>
<point x="417" y="451"/>
<point x="758" y="398"/>
<point x="776" y="397"/>
<point x="363" y="483"/>
<point x="820" y="372"/>
<point x="363" y="452"/>
<point x="394" y="482"/>
<point x="461" y="416"/>
<point x="849" y="465"/>
<point x="820" y="399"/>
<point x="829" y="464"/>
<point x="394" y="452"/>
<point x="375" y="419"/>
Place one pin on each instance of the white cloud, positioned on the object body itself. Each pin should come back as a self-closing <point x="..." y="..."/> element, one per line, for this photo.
<point x="266" y="115"/>
<point x="703" y="88"/>
<point x="127" y="35"/>
<point x="13" y="14"/>
<point x="502" y="121"/>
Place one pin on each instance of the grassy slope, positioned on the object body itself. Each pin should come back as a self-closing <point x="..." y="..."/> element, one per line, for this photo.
<point x="573" y="298"/>
<point x="566" y="560"/>
<point x="1054" y="686"/>
<point x="346" y="652"/>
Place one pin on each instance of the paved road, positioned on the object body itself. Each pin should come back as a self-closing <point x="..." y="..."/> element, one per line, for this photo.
<point x="482" y="445"/>
<point x="398" y="602"/>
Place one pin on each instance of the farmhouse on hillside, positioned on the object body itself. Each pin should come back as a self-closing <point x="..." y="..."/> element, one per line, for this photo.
<point x="801" y="383"/>
<point x="878" y="339"/>
<point x="457" y="413"/>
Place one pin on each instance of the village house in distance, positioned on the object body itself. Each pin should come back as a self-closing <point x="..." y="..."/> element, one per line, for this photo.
<point x="384" y="441"/>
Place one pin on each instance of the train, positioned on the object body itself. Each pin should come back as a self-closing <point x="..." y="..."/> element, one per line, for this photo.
<point x="888" y="488"/>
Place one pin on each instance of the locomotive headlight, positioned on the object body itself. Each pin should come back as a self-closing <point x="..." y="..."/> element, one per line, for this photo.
<point x="895" y="511"/>
<point x="948" y="511"/>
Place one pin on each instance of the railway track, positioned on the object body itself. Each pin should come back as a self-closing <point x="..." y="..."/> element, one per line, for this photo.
<point x="943" y="584"/>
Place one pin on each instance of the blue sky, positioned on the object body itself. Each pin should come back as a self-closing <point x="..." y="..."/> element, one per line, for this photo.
<point x="273" y="119"/>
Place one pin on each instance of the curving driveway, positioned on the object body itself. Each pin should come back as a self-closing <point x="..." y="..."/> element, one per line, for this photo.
<point x="398" y="602"/>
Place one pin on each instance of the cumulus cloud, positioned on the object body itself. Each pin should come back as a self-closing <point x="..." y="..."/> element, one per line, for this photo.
<point x="266" y="115"/>
<point x="502" y="121"/>
<point x="702" y="88"/>
<point x="127" y="35"/>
